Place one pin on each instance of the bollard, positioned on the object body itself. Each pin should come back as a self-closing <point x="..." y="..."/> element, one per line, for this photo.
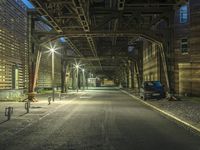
<point x="60" y="96"/>
<point x="8" y="112"/>
<point x="27" y="106"/>
<point x="49" y="100"/>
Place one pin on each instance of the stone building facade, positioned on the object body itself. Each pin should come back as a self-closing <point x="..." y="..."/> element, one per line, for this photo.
<point x="13" y="49"/>
<point x="187" y="49"/>
<point x="14" y="72"/>
<point x="186" y="53"/>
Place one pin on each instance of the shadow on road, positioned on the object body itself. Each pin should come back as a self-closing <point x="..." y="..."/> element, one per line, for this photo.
<point x="35" y="107"/>
<point x="3" y="121"/>
<point x="23" y="114"/>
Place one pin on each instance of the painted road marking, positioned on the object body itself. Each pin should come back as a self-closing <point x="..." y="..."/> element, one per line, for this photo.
<point x="85" y="97"/>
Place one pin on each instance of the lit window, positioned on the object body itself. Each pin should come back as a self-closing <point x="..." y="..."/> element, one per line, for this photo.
<point x="184" y="46"/>
<point x="130" y="48"/>
<point x="184" y="14"/>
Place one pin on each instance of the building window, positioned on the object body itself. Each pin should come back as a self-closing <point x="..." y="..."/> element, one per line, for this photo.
<point x="184" y="46"/>
<point x="184" y="14"/>
<point x="15" y="77"/>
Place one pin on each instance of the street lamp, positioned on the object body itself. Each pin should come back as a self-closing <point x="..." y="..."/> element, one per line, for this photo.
<point x="83" y="71"/>
<point x="52" y="50"/>
<point x="77" y="68"/>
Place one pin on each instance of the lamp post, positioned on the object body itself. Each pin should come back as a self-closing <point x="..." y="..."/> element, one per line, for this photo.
<point x="83" y="71"/>
<point x="53" y="91"/>
<point x="77" y="67"/>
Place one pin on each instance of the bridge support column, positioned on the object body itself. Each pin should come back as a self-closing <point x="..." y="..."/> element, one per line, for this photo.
<point x="73" y="79"/>
<point x="129" y="74"/>
<point x="34" y="57"/>
<point x="63" y="72"/>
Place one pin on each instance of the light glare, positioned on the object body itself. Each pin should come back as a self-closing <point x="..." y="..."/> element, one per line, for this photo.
<point x="52" y="50"/>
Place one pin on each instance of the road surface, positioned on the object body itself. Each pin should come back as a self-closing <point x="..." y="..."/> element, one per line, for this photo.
<point x="102" y="120"/>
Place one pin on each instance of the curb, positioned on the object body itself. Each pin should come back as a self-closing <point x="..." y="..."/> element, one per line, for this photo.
<point x="177" y="120"/>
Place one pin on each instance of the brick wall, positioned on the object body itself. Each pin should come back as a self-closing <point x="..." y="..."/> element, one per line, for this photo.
<point x="187" y="74"/>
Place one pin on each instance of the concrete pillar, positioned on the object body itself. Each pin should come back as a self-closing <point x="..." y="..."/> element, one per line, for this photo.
<point x="63" y="78"/>
<point x="124" y="81"/>
<point x="129" y="74"/>
<point x="74" y="80"/>
<point x="63" y="74"/>
<point x="132" y="75"/>
<point x="31" y="57"/>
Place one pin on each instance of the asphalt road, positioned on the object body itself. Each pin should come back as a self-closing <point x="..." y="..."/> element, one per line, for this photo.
<point x="103" y="120"/>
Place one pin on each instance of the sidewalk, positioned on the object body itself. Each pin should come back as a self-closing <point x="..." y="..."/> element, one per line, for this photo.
<point x="187" y="109"/>
<point x="21" y="120"/>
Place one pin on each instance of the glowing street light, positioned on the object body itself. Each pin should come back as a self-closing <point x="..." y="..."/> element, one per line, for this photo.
<point x="52" y="50"/>
<point x="83" y="71"/>
<point x="77" y="69"/>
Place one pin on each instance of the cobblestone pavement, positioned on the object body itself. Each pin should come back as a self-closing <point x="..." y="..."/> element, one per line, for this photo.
<point x="187" y="109"/>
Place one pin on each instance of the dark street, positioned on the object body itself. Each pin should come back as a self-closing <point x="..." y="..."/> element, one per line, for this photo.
<point x="99" y="74"/>
<point x="103" y="120"/>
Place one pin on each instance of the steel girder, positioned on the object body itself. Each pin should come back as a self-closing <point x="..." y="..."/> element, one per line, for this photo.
<point x="91" y="19"/>
<point x="82" y="10"/>
<point x="40" y="7"/>
<point x="140" y="33"/>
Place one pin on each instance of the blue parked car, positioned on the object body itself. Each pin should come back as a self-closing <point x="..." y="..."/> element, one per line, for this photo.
<point x="152" y="90"/>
